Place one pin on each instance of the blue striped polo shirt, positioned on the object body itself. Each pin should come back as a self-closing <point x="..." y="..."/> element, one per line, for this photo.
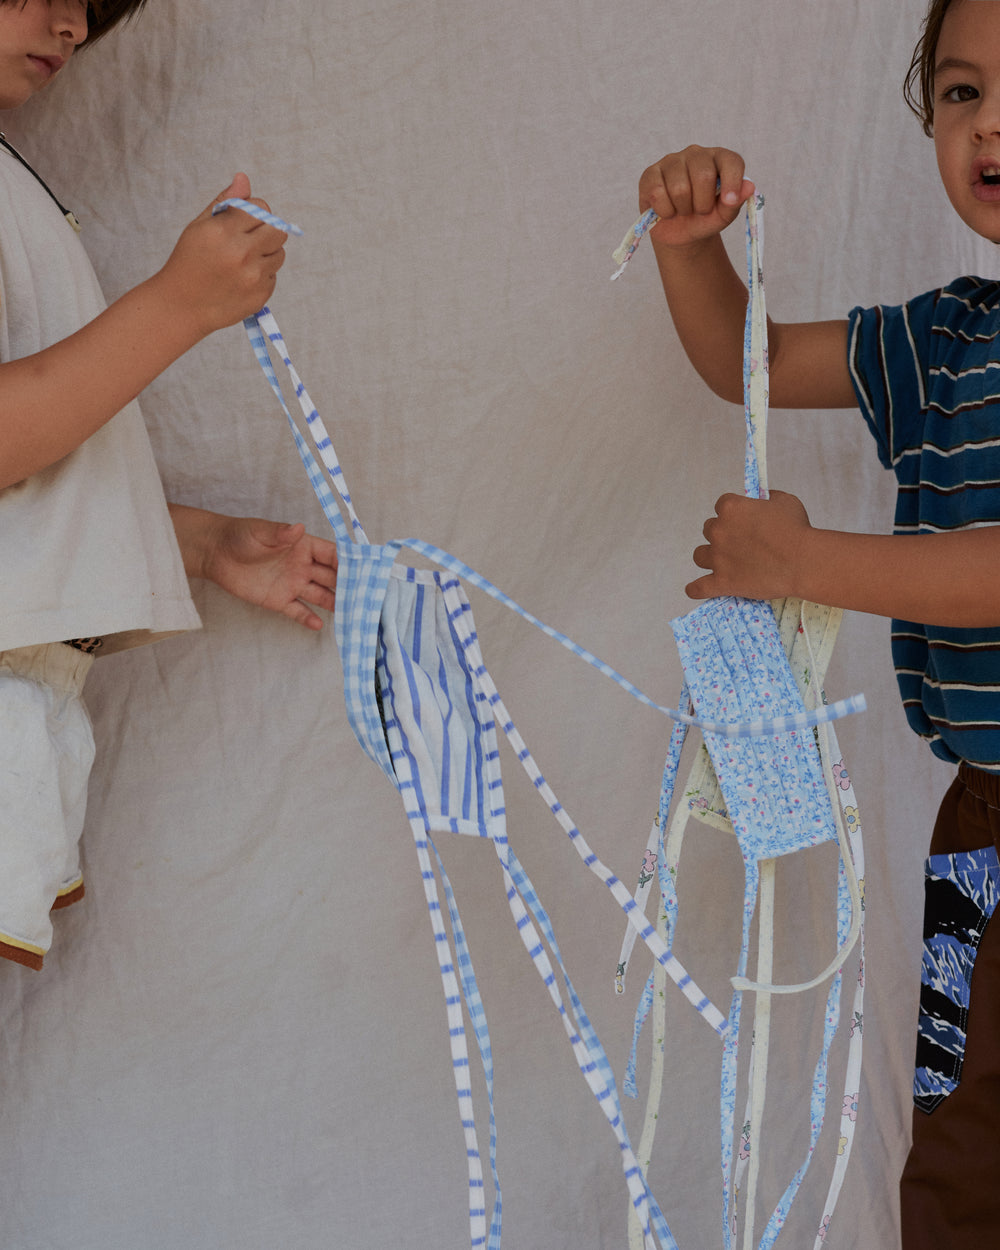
<point x="927" y="379"/>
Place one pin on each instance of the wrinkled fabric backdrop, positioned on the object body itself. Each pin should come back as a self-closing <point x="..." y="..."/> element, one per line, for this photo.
<point x="239" y="1038"/>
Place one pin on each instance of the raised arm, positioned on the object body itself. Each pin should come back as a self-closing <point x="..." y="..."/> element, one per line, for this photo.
<point x="767" y="549"/>
<point x="697" y="193"/>
<point x="223" y="268"/>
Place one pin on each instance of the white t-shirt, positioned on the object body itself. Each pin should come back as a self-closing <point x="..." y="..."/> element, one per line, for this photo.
<point x="87" y="547"/>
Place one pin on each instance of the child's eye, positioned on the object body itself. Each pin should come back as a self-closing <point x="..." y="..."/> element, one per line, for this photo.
<point x="960" y="93"/>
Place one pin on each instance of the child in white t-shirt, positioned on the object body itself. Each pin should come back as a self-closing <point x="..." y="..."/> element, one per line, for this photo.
<point x="92" y="558"/>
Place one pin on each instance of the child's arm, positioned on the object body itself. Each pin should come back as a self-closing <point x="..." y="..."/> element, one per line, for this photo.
<point x="697" y="193"/>
<point x="269" y="564"/>
<point x="223" y="268"/>
<point x="767" y="549"/>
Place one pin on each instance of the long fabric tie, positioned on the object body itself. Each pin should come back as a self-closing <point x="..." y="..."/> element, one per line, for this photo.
<point x="375" y="671"/>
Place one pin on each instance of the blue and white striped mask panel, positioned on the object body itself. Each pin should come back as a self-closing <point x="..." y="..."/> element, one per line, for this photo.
<point x="440" y="728"/>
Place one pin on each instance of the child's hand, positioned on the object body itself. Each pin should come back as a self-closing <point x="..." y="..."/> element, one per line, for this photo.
<point x="225" y="266"/>
<point x="754" y="548"/>
<point x="696" y="193"/>
<point x="267" y="563"/>
<point x="276" y="566"/>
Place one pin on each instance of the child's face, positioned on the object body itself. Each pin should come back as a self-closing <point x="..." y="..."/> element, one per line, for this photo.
<point x="37" y="37"/>
<point x="967" y="112"/>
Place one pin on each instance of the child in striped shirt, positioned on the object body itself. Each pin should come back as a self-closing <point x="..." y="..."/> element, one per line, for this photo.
<point x="925" y="379"/>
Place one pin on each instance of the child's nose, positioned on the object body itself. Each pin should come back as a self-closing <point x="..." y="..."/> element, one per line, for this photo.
<point x="69" y="20"/>
<point x="987" y="118"/>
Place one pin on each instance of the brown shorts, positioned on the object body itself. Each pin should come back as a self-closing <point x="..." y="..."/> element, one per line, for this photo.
<point x="949" y="1191"/>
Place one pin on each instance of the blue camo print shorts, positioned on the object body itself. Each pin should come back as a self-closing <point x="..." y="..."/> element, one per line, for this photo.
<point x="961" y="894"/>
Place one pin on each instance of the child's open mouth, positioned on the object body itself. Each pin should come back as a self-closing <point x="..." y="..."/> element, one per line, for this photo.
<point x="986" y="184"/>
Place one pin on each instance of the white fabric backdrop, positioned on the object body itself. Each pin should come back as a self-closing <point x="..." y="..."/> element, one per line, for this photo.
<point x="238" y="1039"/>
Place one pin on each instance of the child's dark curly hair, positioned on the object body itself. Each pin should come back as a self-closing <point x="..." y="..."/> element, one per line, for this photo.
<point x="918" y="89"/>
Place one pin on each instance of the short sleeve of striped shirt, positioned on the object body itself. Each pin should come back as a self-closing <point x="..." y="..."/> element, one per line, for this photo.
<point x="889" y="357"/>
<point x="927" y="379"/>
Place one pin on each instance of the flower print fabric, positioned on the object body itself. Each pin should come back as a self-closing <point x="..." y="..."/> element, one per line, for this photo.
<point x="736" y="669"/>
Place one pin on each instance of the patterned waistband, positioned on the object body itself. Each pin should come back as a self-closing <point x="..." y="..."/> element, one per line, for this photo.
<point x="87" y="645"/>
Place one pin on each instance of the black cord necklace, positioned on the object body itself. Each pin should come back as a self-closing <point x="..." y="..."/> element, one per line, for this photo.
<point x="66" y="212"/>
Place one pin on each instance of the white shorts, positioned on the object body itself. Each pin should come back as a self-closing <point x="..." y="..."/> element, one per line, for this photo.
<point x="46" y="753"/>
